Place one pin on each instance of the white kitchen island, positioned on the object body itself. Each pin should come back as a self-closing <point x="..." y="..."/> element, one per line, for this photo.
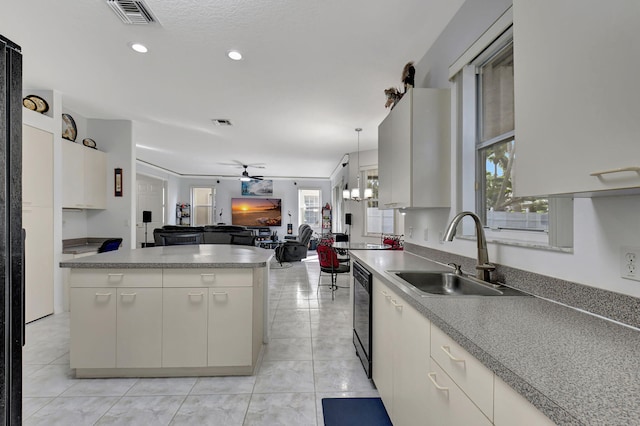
<point x="191" y="310"/>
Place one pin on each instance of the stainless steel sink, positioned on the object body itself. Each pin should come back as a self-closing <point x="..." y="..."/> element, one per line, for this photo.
<point x="450" y="284"/>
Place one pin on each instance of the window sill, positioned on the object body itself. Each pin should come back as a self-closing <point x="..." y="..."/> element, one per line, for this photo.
<point x="537" y="245"/>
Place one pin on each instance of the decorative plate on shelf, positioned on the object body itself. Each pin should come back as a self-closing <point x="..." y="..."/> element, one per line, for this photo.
<point x="69" y="130"/>
<point x="29" y="104"/>
<point x="89" y="142"/>
<point x="41" y="105"/>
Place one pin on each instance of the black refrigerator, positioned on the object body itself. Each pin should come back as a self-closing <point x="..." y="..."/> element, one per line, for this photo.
<point x="11" y="233"/>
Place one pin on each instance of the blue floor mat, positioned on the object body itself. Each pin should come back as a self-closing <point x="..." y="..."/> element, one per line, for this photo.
<point x="354" y="412"/>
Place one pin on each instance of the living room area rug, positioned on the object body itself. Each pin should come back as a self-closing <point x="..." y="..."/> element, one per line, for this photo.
<point x="354" y="412"/>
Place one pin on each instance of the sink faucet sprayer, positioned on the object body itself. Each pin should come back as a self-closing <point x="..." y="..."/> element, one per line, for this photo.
<point x="483" y="267"/>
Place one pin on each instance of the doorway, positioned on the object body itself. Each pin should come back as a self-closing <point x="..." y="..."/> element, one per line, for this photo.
<point x="150" y="196"/>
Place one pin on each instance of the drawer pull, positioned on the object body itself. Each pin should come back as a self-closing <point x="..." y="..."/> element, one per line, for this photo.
<point x="386" y="296"/>
<point x="447" y="350"/>
<point x="196" y="294"/>
<point x="115" y="276"/>
<point x="620" y="170"/>
<point x="208" y="277"/>
<point x="128" y="294"/>
<point x="103" y="294"/>
<point x="396" y="304"/>
<point x="220" y="293"/>
<point x="432" y="377"/>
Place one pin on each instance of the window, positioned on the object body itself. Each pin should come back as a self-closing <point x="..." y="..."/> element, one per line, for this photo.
<point x="309" y="208"/>
<point x="485" y="90"/>
<point x="377" y="221"/>
<point x="202" y="204"/>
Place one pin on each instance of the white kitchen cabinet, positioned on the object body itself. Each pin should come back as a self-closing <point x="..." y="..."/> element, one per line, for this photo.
<point x="414" y="151"/>
<point x="382" y="335"/>
<point x="37" y="220"/>
<point x="448" y="403"/>
<point x="84" y="177"/>
<point x="400" y="356"/>
<point x="577" y="98"/>
<point x="93" y="328"/>
<point x="38" y="225"/>
<point x="512" y="408"/>
<point x="184" y="327"/>
<point x="410" y="380"/>
<point x="467" y="372"/>
<point x="37" y="167"/>
<point x="138" y="327"/>
<point x="230" y="326"/>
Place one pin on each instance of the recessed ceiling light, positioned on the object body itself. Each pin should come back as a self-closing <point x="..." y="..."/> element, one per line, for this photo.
<point x="139" y="47"/>
<point x="234" y="54"/>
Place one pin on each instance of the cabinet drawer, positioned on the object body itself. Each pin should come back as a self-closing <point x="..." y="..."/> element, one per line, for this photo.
<point x="115" y="278"/>
<point x="466" y="371"/>
<point x="448" y="403"/>
<point x="212" y="277"/>
<point x="512" y="408"/>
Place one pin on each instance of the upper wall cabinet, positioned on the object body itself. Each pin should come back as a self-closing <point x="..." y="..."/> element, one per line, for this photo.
<point x="414" y="151"/>
<point x="577" y="97"/>
<point x="84" y="174"/>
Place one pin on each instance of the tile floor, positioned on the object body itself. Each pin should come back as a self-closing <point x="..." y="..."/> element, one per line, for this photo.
<point x="310" y="357"/>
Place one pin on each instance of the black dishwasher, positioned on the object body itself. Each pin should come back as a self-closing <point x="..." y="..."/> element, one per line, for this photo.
<point x="362" y="315"/>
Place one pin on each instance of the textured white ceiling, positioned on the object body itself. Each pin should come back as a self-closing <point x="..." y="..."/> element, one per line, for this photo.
<point x="312" y="72"/>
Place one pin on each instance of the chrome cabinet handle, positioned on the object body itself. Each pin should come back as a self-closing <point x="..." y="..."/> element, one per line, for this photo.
<point x="619" y="170"/>
<point x="447" y="350"/>
<point x="432" y="377"/>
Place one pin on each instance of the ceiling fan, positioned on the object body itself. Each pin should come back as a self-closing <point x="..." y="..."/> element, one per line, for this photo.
<point x="245" y="173"/>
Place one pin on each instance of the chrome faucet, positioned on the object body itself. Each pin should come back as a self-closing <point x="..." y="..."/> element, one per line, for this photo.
<point x="483" y="268"/>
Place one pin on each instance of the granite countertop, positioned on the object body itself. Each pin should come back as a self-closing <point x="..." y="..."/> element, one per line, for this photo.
<point x="184" y="256"/>
<point x="575" y="367"/>
<point x="82" y="245"/>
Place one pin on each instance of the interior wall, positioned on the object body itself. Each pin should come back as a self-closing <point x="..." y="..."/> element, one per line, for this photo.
<point x="115" y="138"/>
<point x="601" y="225"/>
<point x="227" y="188"/>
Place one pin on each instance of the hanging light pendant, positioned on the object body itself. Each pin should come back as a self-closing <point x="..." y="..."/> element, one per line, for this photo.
<point x="355" y="193"/>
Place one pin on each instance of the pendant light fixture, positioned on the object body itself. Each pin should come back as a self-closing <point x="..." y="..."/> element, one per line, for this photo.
<point x="356" y="194"/>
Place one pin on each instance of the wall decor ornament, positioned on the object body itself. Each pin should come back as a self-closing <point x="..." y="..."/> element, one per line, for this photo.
<point x="117" y="184"/>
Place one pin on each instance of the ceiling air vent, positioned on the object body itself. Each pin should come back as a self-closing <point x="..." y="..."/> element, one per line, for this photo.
<point x="221" y="122"/>
<point x="132" y="11"/>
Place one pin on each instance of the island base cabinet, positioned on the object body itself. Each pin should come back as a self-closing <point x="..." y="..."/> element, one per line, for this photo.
<point x="93" y="328"/>
<point x="139" y="327"/>
<point x="184" y="331"/>
<point x="448" y="404"/>
<point x="230" y="326"/>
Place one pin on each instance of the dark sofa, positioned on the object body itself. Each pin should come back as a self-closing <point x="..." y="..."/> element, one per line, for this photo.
<point x="210" y="234"/>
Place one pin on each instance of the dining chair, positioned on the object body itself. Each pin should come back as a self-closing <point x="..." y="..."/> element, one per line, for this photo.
<point x="333" y="265"/>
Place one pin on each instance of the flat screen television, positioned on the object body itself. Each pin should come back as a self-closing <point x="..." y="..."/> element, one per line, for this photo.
<point x="256" y="211"/>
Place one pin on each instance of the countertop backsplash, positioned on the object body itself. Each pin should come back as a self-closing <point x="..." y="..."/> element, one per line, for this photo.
<point x="615" y="306"/>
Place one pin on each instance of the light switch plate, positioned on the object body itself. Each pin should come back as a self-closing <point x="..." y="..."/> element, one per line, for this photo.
<point x="630" y="262"/>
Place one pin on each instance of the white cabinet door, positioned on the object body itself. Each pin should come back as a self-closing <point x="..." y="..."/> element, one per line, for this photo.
<point x="230" y="326"/>
<point x="382" y="335"/>
<point x="410" y="382"/>
<point x="37" y="167"/>
<point x="95" y="172"/>
<point x="577" y="97"/>
<point x="139" y="327"/>
<point x="449" y="405"/>
<point x="512" y="408"/>
<point x="401" y="159"/>
<point x="72" y="175"/>
<point x="385" y="155"/>
<point x="93" y="328"/>
<point x="184" y="330"/>
<point x="38" y="224"/>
